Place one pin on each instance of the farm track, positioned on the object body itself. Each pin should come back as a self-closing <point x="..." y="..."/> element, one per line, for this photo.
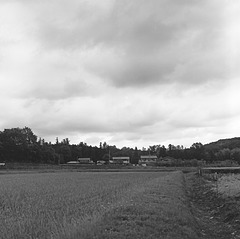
<point x="217" y="217"/>
<point x="93" y="168"/>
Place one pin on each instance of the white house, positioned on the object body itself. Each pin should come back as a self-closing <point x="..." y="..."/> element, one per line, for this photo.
<point x="84" y="160"/>
<point x="146" y="159"/>
<point x="120" y="160"/>
<point x="73" y="162"/>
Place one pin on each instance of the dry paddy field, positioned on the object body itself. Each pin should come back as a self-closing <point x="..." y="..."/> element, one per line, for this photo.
<point x="228" y="185"/>
<point x="95" y="205"/>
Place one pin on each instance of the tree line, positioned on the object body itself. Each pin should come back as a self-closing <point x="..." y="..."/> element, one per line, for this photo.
<point x="23" y="146"/>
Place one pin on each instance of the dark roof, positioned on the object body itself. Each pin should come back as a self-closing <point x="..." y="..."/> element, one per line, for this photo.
<point x="148" y="156"/>
<point x="123" y="158"/>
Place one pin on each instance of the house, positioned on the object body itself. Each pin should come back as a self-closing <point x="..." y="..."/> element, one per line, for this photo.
<point x="84" y="160"/>
<point x="120" y="160"/>
<point x="73" y="162"/>
<point x="147" y="159"/>
<point x="167" y="160"/>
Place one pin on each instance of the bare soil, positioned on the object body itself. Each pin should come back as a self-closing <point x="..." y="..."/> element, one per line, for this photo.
<point x="216" y="216"/>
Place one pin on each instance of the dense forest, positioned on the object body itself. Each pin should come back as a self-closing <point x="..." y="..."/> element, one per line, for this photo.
<point x="22" y="145"/>
<point x="223" y="149"/>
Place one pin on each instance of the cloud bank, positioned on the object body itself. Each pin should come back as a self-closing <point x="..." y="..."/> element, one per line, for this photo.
<point x="128" y="72"/>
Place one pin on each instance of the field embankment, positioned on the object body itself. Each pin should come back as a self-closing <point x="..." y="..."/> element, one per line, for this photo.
<point x="95" y="205"/>
<point x="215" y="205"/>
<point x="31" y="167"/>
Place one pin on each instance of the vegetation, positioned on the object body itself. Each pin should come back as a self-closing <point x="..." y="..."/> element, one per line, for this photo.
<point x="23" y="146"/>
<point x="224" y="149"/>
<point x="94" y="205"/>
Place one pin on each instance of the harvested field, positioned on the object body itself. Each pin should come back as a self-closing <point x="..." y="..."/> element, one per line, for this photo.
<point x="95" y="205"/>
<point x="228" y="185"/>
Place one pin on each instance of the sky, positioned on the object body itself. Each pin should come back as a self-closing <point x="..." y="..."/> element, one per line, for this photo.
<point x="128" y="72"/>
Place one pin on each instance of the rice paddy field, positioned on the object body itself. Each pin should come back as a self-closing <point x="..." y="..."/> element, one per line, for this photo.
<point x="94" y="205"/>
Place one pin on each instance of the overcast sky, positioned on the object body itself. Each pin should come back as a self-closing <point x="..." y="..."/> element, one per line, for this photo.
<point x="128" y="72"/>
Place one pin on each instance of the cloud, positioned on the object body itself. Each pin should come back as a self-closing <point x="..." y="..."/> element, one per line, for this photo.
<point x="129" y="72"/>
<point x="138" y="43"/>
<point x="141" y="43"/>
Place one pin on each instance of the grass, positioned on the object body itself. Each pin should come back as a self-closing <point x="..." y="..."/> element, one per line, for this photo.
<point x="160" y="212"/>
<point x="94" y="205"/>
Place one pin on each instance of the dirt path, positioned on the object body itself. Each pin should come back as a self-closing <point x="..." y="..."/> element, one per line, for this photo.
<point x="217" y="218"/>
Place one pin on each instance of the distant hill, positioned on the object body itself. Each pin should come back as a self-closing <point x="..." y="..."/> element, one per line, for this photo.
<point x="222" y="144"/>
